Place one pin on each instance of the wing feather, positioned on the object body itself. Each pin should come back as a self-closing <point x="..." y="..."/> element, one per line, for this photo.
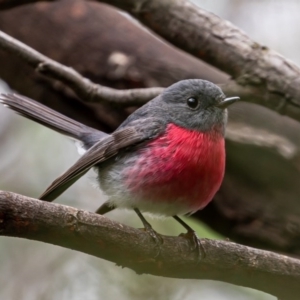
<point x="103" y="150"/>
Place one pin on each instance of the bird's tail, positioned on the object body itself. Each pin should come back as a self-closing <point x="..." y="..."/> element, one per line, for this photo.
<point x="50" y="118"/>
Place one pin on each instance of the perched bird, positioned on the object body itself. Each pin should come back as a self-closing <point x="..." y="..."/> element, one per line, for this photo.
<point x="166" y="158"/>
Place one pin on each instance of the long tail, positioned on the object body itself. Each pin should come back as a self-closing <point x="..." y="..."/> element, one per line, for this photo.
<point x="52" y="119"/>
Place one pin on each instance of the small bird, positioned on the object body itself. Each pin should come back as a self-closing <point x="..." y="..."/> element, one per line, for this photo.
<point x="167" y="158"/>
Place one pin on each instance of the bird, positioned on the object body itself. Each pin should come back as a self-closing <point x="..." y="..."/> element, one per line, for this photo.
<point x="167" y="158"/>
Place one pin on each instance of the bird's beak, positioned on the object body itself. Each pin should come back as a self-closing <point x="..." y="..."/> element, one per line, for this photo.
<point x="227" y="101"/>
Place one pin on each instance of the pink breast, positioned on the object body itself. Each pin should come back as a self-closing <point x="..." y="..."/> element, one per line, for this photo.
<point x="182" y="166"/>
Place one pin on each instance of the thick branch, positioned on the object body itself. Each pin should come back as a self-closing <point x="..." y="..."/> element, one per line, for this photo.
<point x="83" y="87"/>
<point x="87" y="232"/>
<point x="224" y="46"/>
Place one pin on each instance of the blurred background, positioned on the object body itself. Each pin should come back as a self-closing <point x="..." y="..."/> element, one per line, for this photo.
<point x="31" y="156"/>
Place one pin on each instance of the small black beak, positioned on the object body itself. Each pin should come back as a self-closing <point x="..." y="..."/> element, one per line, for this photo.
<point x="227" y="101"/>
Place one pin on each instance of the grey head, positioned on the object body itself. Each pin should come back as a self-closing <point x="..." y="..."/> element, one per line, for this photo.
<point x="193" y="103"/>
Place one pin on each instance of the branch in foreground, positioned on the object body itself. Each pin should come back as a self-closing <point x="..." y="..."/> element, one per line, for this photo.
<point x="83" y="87"/>
<point x="224" y="46"/>
<point x="96" y="235"/>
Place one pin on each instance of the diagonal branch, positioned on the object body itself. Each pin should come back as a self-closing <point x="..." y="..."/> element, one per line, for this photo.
<point x="96" y="235"/>
<point x="91" y="92"/>
<point x="83" y="87"/>
<point x="272" y="80"/>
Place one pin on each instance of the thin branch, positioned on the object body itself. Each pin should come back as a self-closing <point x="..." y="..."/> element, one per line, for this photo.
<point x="96" y="235"/>
<point x="91" y="92"/>
<point x="83" y="87"/>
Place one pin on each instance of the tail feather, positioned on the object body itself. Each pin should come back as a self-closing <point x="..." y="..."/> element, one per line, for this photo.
<point x="48" y="117"/>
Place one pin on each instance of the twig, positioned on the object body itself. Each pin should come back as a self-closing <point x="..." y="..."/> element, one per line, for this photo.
<point x="96" y="235"/>
<point x="83" y="87"/>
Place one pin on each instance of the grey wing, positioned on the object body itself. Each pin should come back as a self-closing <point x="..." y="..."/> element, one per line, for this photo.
<point x="100" y="152"/>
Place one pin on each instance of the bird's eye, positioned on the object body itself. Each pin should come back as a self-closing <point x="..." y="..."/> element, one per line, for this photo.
<point x="192" y="102"/>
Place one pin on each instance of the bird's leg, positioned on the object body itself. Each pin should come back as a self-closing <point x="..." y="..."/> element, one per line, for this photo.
<point x="155" y="236"/>
<point x="192" y="236"/>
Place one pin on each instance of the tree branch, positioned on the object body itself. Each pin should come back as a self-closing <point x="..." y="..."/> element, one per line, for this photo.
<point x="83" y="87"/>
<point x="262" y="71"/>
<point x="91" y="92"/>
<point x="96" y="235"/>
<point x="262" y="76"/>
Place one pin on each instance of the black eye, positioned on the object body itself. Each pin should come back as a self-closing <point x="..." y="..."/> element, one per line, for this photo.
<point x="192" y="102"/>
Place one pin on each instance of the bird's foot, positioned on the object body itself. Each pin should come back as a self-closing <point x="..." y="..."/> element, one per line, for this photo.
<point x="193" y="238"/>
<point x="157" y="238"/>
<point x="196" y="244"/>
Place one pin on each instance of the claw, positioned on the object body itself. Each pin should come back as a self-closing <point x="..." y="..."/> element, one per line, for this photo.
<point x="193" y="238"/>
<point x="158" y="240"/>
<point x="196" y="244"/>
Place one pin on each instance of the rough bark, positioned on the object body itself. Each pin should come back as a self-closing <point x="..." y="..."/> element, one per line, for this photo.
<point x="96" y="235"/>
